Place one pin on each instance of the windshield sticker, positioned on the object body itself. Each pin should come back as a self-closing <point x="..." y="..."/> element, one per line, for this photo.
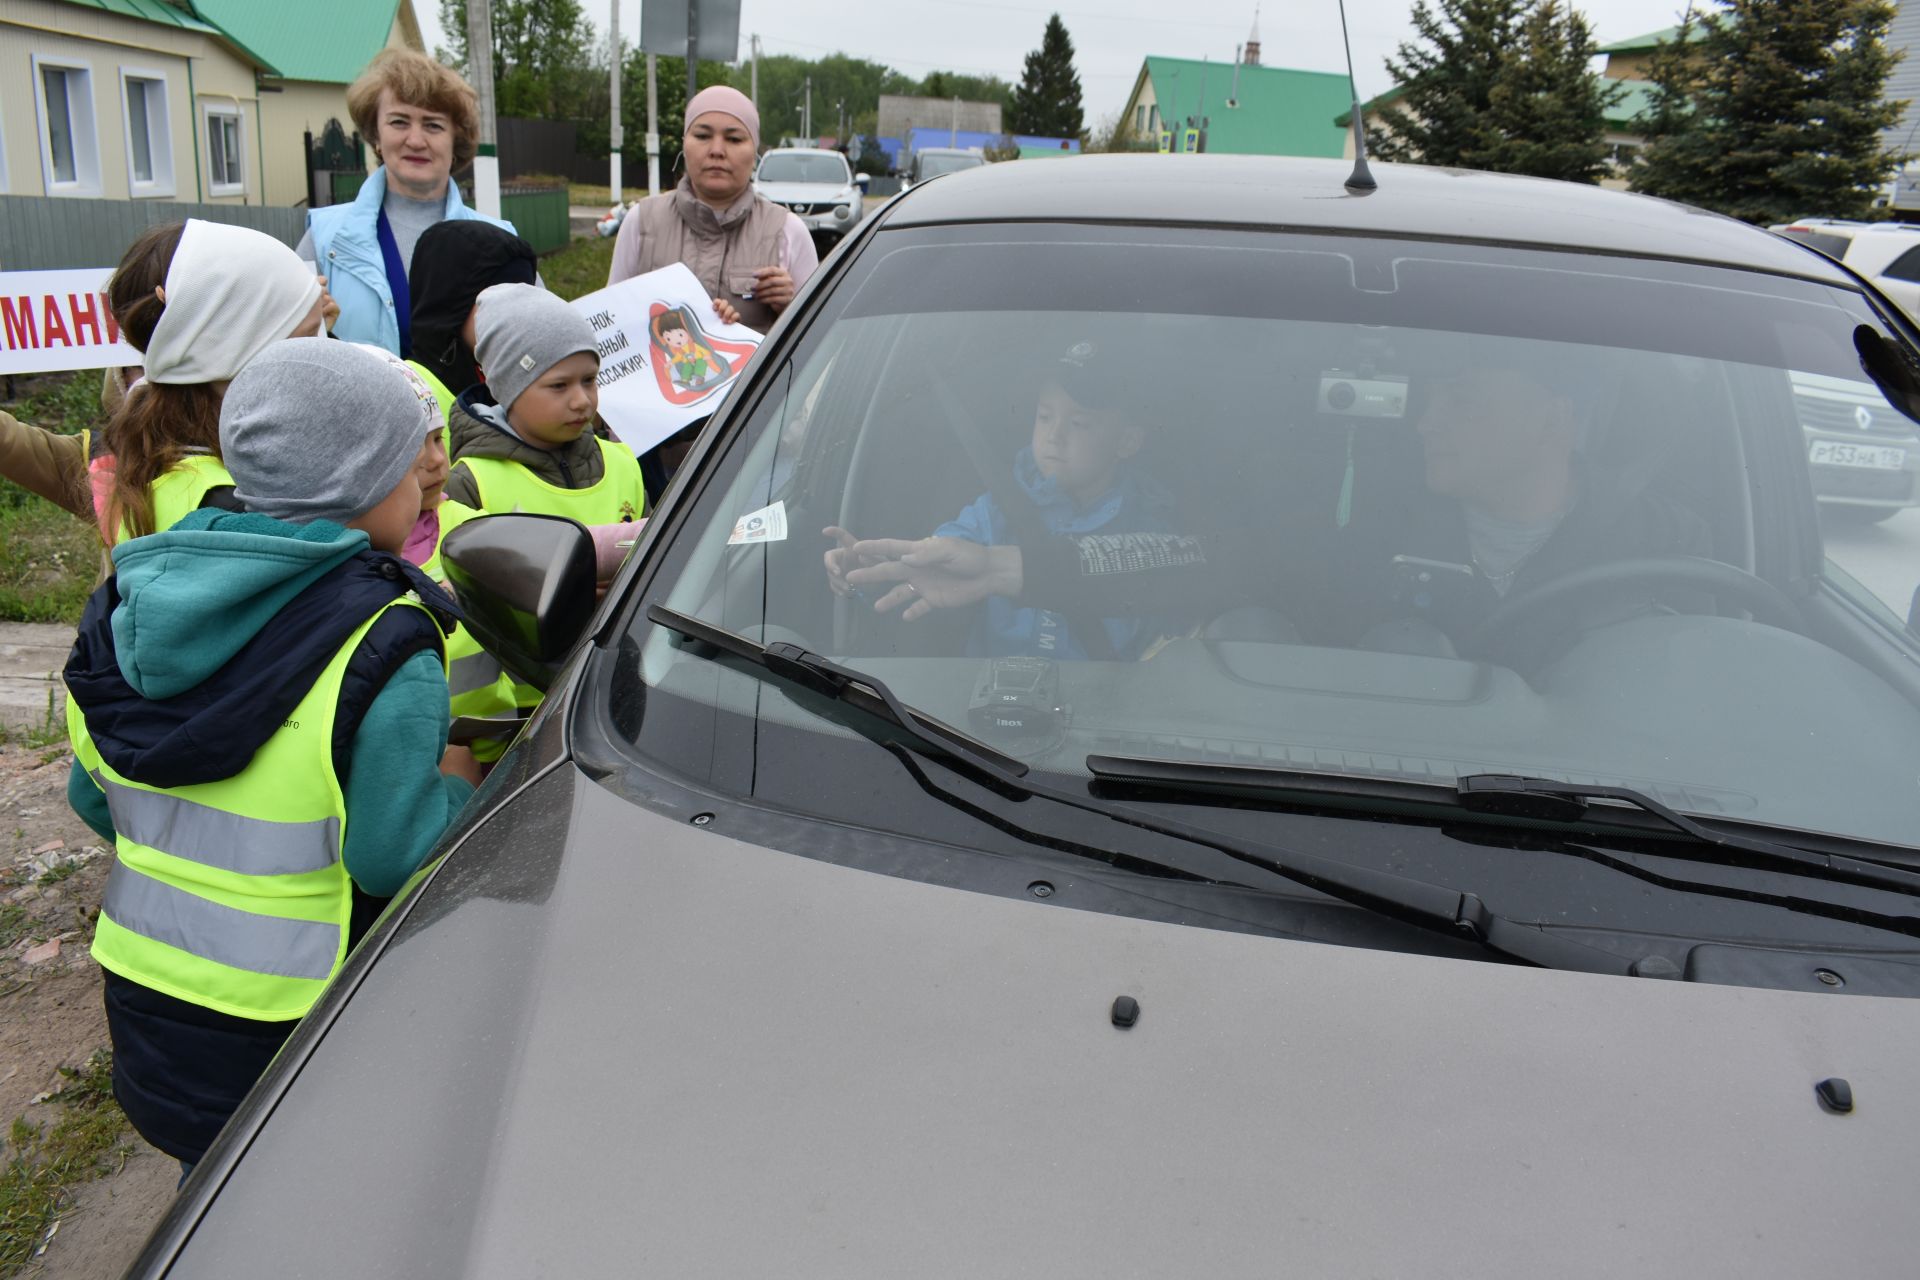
<point x="768" y="524"/>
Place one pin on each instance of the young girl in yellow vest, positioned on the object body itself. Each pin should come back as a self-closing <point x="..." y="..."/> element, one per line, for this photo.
<point x="223" y="294"/>
<point x="527" y="439"/>
<point x="258" y="708"/>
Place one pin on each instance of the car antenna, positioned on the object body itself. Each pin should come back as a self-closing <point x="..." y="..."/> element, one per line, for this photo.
<point x="1360" y="181"/>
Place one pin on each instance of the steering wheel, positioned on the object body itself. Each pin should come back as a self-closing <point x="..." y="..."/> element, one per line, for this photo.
<point x="1766" y="602"/>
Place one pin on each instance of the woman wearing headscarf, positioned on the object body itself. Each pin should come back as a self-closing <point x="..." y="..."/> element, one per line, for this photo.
<point x="422" y="119"/>
<point x="749" y="254"/>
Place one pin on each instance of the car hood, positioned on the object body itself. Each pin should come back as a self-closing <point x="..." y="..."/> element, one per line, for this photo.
<point x="610" y="1042"/>
<point x="803" y="192"/>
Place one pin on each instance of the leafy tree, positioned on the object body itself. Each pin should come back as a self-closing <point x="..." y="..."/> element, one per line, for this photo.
<point x="1547" y="111"/>
<point x="1047" y="103"/>
<point x="1771" y="109"/>
<point x="1446" y="77"/>
<point x="541" y="54"/>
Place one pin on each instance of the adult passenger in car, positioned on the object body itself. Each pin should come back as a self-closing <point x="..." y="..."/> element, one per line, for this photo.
<point x="749" y="254"/>
<point x="1514" y="505"/>
<point x="423" y="120"/>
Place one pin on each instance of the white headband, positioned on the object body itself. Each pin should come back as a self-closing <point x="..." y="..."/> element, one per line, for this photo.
<point x="230" y="292"/>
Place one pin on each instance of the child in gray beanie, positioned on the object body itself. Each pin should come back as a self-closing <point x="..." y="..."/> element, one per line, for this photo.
<point x="526" y="440"/>
<point x="273" y="670"/>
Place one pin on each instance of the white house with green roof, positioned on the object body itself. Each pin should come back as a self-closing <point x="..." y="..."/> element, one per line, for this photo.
<point x="198" y="101"/>
<point x="1248" y="109"/>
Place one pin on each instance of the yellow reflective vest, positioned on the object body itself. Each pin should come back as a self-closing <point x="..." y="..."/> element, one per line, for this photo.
<point x="506" y="486"/>
<point x="180" y="490"/>
<point x="232" y="895"/>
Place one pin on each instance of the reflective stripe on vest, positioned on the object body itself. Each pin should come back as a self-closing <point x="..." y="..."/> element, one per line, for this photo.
<point x="232" y="894"/>
<point x="215" y="838"/>
<point x="180" y="489"/>
<point x="238" y="939"/>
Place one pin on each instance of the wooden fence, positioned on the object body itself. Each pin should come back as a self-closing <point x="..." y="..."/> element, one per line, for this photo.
<point x="45" y="233"/>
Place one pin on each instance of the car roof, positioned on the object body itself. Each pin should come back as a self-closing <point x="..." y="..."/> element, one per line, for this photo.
<point x="800" y="151"/>
<point x="1309" y="195"/>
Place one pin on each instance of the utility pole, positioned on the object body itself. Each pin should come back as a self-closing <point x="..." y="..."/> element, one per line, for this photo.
<point x="953" y="139"/>
<point x="806" y="121"/>
<point x="693" y="54"/>
<point x="617" y="134"/>
<point x="486" y="158"/>
<point x="753" y="52"/>
<point x="653" y="129"/>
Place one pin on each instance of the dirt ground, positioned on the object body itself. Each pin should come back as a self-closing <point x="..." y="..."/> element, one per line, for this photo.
<point x="52" y="870"/>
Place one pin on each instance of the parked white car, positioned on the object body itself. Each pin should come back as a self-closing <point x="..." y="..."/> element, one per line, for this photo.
<point x="1887" y="253"/>
<point x="818" y="186"/>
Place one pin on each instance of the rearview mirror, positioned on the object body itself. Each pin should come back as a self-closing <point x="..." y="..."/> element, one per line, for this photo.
<point x="526" y="584"/>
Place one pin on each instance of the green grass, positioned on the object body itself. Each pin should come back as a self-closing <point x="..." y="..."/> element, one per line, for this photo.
<point x="42" y="1164"/>
<point x="48" y="559"/>
<point x="580" y="268"/>
<point x="588" y="196"/>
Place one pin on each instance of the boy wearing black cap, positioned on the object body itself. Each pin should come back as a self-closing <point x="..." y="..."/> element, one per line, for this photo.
<point x="1078" y="472"/>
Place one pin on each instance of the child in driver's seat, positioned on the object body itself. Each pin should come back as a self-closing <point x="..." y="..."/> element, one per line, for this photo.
<point x="1079" y="473"/>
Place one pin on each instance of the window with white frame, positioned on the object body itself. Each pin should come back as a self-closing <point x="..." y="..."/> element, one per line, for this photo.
<point x="69" y="142"/>
<point x="149" y="136"/>
<point x="226" y="156"/>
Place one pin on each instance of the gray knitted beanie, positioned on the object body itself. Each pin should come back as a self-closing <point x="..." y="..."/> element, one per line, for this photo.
<point x="314" y="429"/>
<point x="520" y="332"/>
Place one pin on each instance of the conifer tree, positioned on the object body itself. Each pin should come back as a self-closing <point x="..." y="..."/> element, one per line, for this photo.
<point x="1047" y="102"/>
<point x="1547" y="111"/>
<point x="1770" y="110"/>
<point x="1446" y="78"/>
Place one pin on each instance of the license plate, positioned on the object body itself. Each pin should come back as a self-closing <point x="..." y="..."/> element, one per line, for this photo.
<point x="1876" y="457"/>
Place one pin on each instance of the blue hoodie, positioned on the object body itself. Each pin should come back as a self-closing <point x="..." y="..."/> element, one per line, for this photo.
<point x="210" y="633"/>
<point x="1133" y="505"/>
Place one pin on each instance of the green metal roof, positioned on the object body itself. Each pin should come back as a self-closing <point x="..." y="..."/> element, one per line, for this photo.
<point x="1652" y="40"/>
<point x="1278" y="111"/>
<point x="329" y="42"/>
<point x="167" y="15"/>
<point x="1631" y="104"/>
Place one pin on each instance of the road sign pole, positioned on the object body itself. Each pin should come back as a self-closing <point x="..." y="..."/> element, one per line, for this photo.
<point x="486" y="159"/>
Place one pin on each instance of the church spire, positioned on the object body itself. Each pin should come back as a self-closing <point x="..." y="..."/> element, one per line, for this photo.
<point x="1253" y="40"/>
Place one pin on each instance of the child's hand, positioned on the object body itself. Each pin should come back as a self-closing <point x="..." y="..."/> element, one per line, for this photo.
<point x="458" y="762"/>
<point x="840" y="559"/>
<point x="933" y="573"/>
<point x="725" y="310"/>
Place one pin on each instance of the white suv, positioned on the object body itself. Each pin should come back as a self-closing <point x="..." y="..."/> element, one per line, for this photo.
<point x="818" y="186"/>
<point x="1887" y="253"/>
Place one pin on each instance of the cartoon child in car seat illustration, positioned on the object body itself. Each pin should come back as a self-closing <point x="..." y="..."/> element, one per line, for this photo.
<point x="693" y="363"/>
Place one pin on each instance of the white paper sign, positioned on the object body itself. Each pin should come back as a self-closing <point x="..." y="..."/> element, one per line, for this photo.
<point x="768" y="524"/>
<point x="665" y="358"/>
<point x="56" y="320"/>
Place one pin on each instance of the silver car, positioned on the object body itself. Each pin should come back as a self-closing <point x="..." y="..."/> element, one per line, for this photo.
<point x="1185" y="719"/>
<point x="818" y="186"/>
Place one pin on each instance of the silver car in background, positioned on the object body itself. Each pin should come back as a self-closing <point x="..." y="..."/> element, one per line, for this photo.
<point x="818" y="186"/>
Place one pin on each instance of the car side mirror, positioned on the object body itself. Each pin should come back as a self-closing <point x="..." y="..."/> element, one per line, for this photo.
<point x="862" y="180"/>
<point x="526" y="584"/>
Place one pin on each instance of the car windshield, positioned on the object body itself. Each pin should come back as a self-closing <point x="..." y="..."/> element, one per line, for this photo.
<point x="1388" y="509"/>
<point x="788" y="167"/>
<point x="932" y="166"/>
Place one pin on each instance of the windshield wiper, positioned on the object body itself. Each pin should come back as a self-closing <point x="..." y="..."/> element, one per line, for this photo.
<point x="1510" y="796"/>
<point x="1416" y="902"/>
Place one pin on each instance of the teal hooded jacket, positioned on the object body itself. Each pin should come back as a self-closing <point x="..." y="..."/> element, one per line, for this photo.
<point x="190" y="601"/>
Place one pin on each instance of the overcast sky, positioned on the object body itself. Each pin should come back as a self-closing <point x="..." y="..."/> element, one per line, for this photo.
<point x="1110" y="37"/>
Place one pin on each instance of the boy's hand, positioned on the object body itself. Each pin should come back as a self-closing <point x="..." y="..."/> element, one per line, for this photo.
<point x="774" y="287"/>
<point x="841" y="559"/>
<point x="458" y="762"/>
<point x="329" y="309"/>
<point x="933" y="573"/>
<point x="726" y="312"/>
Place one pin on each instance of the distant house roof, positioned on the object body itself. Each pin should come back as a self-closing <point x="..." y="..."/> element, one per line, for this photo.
<point x="330" y="43"/>
<point x="168" y="16"/>
<point x="1630" y="105"/>
<point x="1652" y="40"/>
<point x="1277" y="111"/>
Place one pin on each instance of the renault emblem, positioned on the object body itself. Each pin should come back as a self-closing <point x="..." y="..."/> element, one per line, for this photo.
<point x="1863" y="417"/>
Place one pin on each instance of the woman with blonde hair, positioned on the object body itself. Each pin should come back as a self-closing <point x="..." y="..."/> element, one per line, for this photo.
<point x="422" y="119"/>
